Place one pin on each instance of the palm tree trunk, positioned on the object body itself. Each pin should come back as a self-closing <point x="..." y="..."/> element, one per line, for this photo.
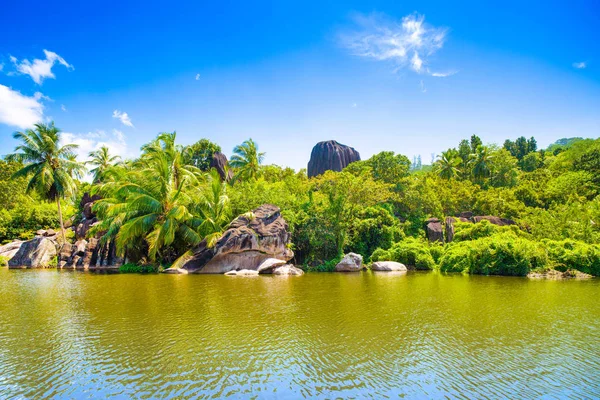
<point x="60" y="218"/>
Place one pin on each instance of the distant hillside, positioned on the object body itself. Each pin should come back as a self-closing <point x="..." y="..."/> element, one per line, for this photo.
<point x="563" y="143"/>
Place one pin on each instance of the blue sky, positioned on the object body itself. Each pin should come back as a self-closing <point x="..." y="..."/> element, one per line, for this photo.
<point x="412" y="77"/>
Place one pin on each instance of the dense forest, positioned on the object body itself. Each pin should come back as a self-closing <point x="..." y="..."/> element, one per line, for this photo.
<point x="159" y="206"/>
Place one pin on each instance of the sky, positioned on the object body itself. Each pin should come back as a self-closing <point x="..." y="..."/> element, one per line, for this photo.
<point x="413" y="77"/>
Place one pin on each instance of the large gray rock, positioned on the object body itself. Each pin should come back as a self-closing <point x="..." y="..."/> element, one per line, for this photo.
<point x="330" y="156"/>
<point x="494" y="220"/>
<point x="246" y="244"/>
<point x="34" y="253"/>
<point x="388" y="266"/>
<point x="449" y="228"/>
<point x="219" y="162"/>
<point x="351" y="262"/>
<point x="435" y="232"/>
<point x="10" y="249"/>
<point x="267" y="266"/>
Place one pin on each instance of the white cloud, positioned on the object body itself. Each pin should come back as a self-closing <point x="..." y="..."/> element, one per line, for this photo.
<point x="443" y="74"/>
<point x="423" y="88"/>
<point x="19" y="110"/>
<point x="197" y="77"/>
<point x="579" y="65"/>
<point x="1" y="66"/>
<point x="406" y="43"/>
<point x="123" y="117"/>
<point x="62" y="107"/>
<point x="91" y="141"/>
<point x="38" y="70"/>
<point x="354" y="105"/>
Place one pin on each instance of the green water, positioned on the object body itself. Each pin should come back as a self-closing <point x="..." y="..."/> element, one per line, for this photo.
<point x="78" y="335"/>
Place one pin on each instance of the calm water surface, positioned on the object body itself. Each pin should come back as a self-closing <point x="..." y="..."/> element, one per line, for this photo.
<point x="76" y="335"/>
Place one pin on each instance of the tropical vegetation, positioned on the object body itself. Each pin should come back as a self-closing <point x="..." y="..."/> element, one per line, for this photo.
<point x="157" y="207"/>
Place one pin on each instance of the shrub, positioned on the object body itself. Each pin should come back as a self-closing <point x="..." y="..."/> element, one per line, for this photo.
<point x="131" y="268"/>
<point x="572" y="254"/>
<point x="327" y="266"/>
<point x="3" y="261"/>
<point x="500" y="254"/>
<point x="412" y="252"/>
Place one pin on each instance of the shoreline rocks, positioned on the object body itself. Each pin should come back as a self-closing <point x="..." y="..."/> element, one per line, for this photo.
<point x="248" y="242"/>
<point x="351" y="262"/>
<point x="388" y="266"/>
<point x="34" y="253"/>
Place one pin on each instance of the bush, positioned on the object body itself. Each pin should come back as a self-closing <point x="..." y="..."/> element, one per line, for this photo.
<point x="572" y="254"/>
<point x="3" y="261"/>
<point x="415" y="253"/>
<point x="500" y="254"/>
<point x="327" y="266"/>
<point x="131" y="268"/>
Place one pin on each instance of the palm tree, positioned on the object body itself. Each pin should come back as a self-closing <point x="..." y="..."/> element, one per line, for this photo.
<point x="447" y="165"/>
<point x="213" y="209"/>
<point x="246" y="160"/>
<point x="150" y="201"/>
<point x="481" y="162"/>
<point x="102" y="161"/>
<point x="49" y="166"/>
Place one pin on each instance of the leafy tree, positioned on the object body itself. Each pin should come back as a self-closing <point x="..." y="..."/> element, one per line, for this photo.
<point x="200" y="153"/>
<point x="212" y="209"/>
<point x="49" y="167"/>
<point x="101" y="160"/>
<point x="503" y="169"/>
<point x="246" y="160"/>
<point x="475" y="143"/>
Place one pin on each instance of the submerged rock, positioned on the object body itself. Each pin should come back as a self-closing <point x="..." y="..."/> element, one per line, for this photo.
<point x="242" y="272"/>
<point x="388" y="266"/>
<point x="246" y="244"/>
<point x="35" y="253"/>
<point x="288" y="270"/>
<point x="330" y="156"/>
<point x="351" y="262"/>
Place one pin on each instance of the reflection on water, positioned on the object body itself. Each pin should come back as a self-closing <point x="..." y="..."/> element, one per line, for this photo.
<point x="75" y="335"/>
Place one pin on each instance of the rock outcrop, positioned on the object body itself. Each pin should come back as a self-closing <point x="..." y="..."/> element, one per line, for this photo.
<point x="246" y="244"/>
<point x="89" y="255"/>
<point x="10" y="249"/>
<point x="351" y="262"/>
<point x="35" y="253"/>
<point x="330" y="155"/>
<point x="388" y="266"/>
<point x="88" y="218"/>
<point x="219" y="162"/>
<point x="468" y="217"/>
<point x="435" y="232"/>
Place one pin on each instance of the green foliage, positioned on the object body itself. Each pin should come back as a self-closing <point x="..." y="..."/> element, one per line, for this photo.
<point x="131" y="268"/>
<point x="571" y="254"/>
<point x="374" y="227"/>
<point x="200" y="154"/>
<point x="414" y="253"/>
<point x="246" y="160"/>
<point x="3" y="261"/>
<point x="327" y="266"/>
<point x="101" y="160"/>
<point x="499" y="254"/>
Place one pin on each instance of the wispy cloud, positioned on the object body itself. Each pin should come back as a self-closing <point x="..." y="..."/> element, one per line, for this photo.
<point x="197" y="77"/>
<point x="443" y="74"/>
<point x="407" y="43"/>
<point x="1" y="66"/>
<point x="62" y="107"/>
<point x="354" y="105"/>
<point x="580" y="65"/>
<point x="38" y="70"/>
<point x="123" y="117"/>
<point x="19" y="110"/>
<point x="423" y="88"/>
